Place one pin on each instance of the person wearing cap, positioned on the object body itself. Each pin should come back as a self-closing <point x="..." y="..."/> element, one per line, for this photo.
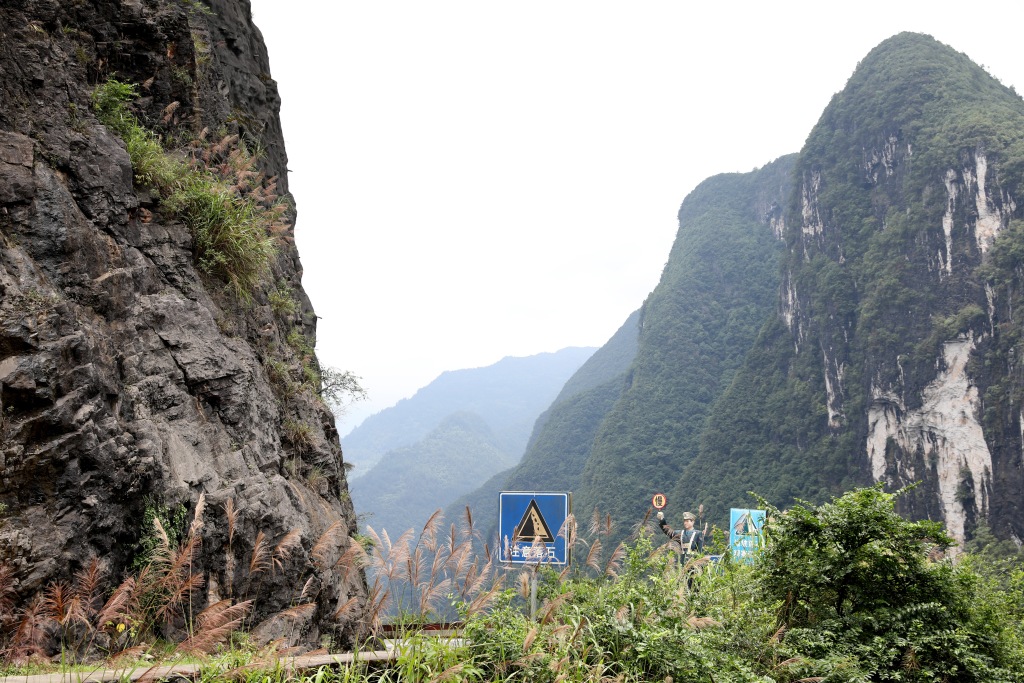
<point x="690" y="540"/>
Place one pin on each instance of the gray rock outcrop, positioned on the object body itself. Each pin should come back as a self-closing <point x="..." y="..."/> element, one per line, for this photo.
<point x="130" y="381"/>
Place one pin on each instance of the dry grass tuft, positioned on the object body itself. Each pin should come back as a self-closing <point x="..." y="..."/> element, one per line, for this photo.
<point x="328" y="540"/>
<point x="260" y="560"/>
<point x="284" y="548"/>
<point x="215" y="624"/>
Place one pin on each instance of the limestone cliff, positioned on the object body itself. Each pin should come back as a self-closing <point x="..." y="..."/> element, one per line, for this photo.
<point x="893" y="357"/>
<point x="130" y="379"/>
<point x="885" y="347"/>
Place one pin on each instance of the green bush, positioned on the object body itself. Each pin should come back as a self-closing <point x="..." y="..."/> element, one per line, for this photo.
<point x="853" y="579"/>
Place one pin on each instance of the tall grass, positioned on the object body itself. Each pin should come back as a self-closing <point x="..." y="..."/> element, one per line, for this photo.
<point x="151" y="609"/>
<point x="632" y="613"/>
<point x="231" y="231"/>
<point x="230" y="208"/>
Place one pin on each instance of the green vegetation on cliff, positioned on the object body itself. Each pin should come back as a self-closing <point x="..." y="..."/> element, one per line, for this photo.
<point x="885" y="265"/>
<point x="717" y="289"/>
<point x="231" y="210"/>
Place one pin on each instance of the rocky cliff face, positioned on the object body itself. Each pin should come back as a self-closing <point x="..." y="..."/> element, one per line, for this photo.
<point x="885" y="348"/>
<point x="130" y="380"/>
<point x="911" y="220"/>
<point x="893" y="356"/>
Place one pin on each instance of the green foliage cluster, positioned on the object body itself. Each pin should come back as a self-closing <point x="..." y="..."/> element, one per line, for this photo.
<point x="847" y="591"/>
<point x="859" y="584"/>
<point x="230" y="210"/>
<point x="716" y="291"/>
<point x="872" y="294"/>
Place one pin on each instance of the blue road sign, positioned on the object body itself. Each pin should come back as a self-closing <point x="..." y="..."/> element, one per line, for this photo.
<point x="528" y="526"/>
<point x="745" y="533"/>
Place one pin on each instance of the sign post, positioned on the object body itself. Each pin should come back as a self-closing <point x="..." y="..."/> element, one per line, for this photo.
<point x="529" y="523"/>
<point x="529" y="526"/>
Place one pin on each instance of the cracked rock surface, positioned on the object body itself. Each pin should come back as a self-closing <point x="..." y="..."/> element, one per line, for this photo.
<point x="130" y="380"/>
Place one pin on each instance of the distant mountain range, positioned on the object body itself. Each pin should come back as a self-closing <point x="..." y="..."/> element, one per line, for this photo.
<point x="451" y="436"/>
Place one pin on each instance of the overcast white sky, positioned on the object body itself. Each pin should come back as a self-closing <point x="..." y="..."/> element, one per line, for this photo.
<point x="480" y="179"/>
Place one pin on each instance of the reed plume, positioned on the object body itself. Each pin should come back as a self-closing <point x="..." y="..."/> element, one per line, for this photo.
<point x="165" y="542"/>
<point x="115" y="609"/>
<point x="346" y="608"/>
<point x="87" y="586"/>
<point x="30" y="633"/>
<point x="260" y="560"/>
<point x="594" y="555"/>
<point x="59" y="604"/>
<point x="197" y="516"/>
<point x="214" y="625"/>
<point x="307" y="588"/>
<point x="7" y="594"/>
<point x="353" y="557"/>
<point x="469" y="530"/>
<point x="552" y="606"/>
<point x="284" y="548"/>
<point x="611" y="568"/>
<point x="428" y="536"/>
<point x="231" y="513"/>
<point x="328" y="540"/>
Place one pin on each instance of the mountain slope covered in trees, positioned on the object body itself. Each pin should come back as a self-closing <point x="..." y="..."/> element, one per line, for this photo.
<point x="892" y="357"/>
<point x="842" y="316"/>
<point x="716" y="290"/>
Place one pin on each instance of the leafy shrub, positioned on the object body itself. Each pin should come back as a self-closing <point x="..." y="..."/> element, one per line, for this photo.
<point x="854" y="579"/>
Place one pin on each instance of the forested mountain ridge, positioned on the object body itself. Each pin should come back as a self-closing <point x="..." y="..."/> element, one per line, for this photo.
<point x="615" y="432"/>
<point x="892" y="357"/>
<point x="508" y="395"/>
<point x="842" y="316"/>
<point x="716" y="290"/>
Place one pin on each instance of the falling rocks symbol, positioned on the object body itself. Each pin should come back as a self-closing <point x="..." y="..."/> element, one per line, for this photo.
<point x="532" y="526"/>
